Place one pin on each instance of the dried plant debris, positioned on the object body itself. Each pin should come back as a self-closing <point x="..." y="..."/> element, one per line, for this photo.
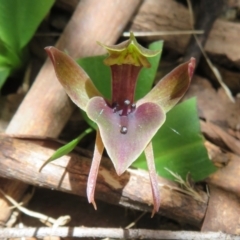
<point x="214" y="105"/>
<point x="49" y="221"/>
<point x="187" y="186"/>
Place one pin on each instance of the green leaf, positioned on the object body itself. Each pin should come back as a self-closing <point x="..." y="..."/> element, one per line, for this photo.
<point x="67" y="148"/>
<point x="20" y="19"/>
<point x="8" y="57"/>
<point x="98" y="72"/>
<point x="4" y="73"/>
<point x="178" y="145"/>
<point x="147" y="75"/>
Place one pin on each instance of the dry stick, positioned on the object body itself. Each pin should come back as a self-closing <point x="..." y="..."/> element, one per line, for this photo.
<point x="83" y="232"/>
<point x="163" y="33"/>
<point x="208" y="13"/>
<point x="210" y="18"/>
<point x="61" y="221"/>
<point x="46" y="108"/>
<point x="21" y="159"/>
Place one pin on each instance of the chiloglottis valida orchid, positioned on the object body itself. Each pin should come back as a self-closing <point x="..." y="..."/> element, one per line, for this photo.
<point x="125" y="127"/>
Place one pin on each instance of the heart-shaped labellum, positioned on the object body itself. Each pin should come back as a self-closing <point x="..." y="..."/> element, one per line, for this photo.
<point x="125" y="136"/>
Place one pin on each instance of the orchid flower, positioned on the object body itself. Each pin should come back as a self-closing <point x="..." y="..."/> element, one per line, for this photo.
<point x="125" y="127"/>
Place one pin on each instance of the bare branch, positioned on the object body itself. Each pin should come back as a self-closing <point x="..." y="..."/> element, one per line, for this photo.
<point x="21" y="159"/>
<point x="82" y="232"/>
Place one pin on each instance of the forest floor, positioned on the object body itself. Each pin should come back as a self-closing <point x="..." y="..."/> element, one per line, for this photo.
<point x="219" y="115"/>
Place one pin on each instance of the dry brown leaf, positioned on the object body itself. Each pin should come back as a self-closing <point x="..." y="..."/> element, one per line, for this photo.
<point x="230" y="78"/>
<point x="223" y="41"/>
<point x="214" y="105"/>
<point x="215" y="153"/>
<point x="227" y="177"/>
<point x="230" y="141"/>
<point x="222" y="213"/>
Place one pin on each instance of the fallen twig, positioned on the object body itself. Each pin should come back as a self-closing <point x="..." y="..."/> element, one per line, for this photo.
<point x="201" y="42"/>
<point x="82" y="232"/>
<point x="21" y="159"/>
<point x="43" y="218"/>
<point x="163" y="33"/>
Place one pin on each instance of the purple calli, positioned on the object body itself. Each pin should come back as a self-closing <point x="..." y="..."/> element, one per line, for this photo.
<point x="125" y="127"/>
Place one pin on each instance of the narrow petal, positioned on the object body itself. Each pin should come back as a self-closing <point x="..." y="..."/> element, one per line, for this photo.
<point x="172" y="87"/>
<point x="125" y="137"/>
<point x="92" y="177"/>
<point x="73" y="78"/>
<point x="153" y="178"/>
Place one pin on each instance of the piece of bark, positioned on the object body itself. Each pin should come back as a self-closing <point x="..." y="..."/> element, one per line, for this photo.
<point x="21" y="159"/>
<point x="46" y="108"/>
<point x="223" y="208"/>
<point x="227" y="176"/>
<point x="228" y="168"/>
<point x="9" y="105"/>
<point x="162" y="15"/>
<point x="228" y="163"/>
<point x="214" y="131"/>
<point x="230" y="78"/>
<point x="108" y="233"/>
<point x="67" y="5"/>
<point x="219" y="157"/>
<point x="211" y="135"/>
<point x="235" y="133"/>
<point x="234" y="3"/>
<point x="223" y="212"/>
<point x="214" y="105"/>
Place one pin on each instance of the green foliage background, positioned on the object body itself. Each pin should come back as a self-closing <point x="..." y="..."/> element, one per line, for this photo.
<point x="19" y="19"/>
